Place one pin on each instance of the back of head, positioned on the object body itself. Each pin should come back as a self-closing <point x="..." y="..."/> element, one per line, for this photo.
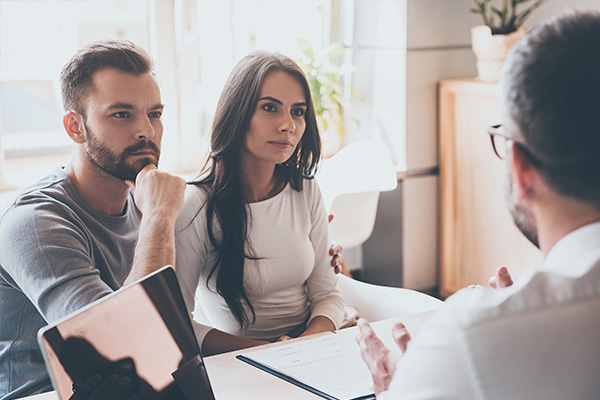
<point x="551" y="91"/>
<point x="76" y="75"/>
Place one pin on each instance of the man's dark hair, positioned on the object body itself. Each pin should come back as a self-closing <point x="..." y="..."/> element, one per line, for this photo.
<point x="551" y="90"/>
<point x="76" y="75"/>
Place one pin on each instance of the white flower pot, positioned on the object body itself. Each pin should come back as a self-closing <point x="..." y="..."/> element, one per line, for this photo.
<point x="490" y="50"/>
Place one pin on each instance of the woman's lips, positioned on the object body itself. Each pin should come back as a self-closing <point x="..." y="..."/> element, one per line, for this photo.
<point x="281" y="144"/>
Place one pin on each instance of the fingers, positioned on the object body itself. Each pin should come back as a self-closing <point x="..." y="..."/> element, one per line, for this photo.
<point x="336" y="260"/>
<point x="131" y="186"/>
<point x="330" y="217"/>
<point x="335" y="249"/>
<point x="369" y="340"/>
<point x="283" y="338"/>
<point x="502" y="278"/>
<point x="140" y="176"/>
<point x="158" y="193"/>
<point x="401" y="336"/>
<point x="380" y="361"/>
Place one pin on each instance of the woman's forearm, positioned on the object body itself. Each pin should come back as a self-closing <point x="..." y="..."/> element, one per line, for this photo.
<point x="319" y="324"/>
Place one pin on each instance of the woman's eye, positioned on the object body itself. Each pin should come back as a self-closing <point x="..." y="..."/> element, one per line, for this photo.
<point x="298" y="112"/>
<point x="121" y="114"/>
<point x="268" y="107"/>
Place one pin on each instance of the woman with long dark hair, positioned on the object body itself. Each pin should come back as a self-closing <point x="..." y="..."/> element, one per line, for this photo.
<point x="253" y="233"/>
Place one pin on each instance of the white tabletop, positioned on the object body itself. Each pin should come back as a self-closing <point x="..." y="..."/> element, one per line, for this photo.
<point x="232" y="379"/>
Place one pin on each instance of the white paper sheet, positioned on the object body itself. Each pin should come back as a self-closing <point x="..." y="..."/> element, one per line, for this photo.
<point x="330" y="363"/>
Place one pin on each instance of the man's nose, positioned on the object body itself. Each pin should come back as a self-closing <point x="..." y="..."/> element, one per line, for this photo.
<point x="144" y="128"/>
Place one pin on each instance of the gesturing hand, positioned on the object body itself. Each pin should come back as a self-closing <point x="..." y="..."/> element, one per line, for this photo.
<point x="379" y="359"/>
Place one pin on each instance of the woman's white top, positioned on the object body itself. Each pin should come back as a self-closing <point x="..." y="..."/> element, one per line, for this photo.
<point x="291" y="282"/>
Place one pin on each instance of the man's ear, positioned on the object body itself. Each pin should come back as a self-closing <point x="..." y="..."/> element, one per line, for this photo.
<point x="523" y="172"/>
<point x="73" y="123"/>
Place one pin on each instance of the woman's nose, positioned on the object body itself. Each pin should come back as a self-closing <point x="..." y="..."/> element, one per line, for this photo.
<point x="287" y="124"/>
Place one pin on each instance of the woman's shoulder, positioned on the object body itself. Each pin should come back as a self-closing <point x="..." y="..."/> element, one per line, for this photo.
<point x="195" y="199"/>
<point x="311" y="189"/>
<point x="195" y="192"/>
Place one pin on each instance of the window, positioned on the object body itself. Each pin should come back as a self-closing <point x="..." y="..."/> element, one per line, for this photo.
<point x="193" y="43"/>
<point x="213" y="35"/>
<point x="36" y="39"/>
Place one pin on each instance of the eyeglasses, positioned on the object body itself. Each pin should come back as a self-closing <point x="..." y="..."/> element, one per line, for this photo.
<point x="499" y="136"/>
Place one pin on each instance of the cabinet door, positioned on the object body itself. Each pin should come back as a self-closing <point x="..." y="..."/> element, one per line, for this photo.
<point x="477" y="232"/>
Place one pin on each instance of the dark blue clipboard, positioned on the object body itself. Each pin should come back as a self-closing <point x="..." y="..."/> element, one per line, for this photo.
<point x="297" y="382"/>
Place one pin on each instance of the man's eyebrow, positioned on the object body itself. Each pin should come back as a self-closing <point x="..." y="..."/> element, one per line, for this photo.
<point x="127" y="106"/>
<point x="274" y="100"/>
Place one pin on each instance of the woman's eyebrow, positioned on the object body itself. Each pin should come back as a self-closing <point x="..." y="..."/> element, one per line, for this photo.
<point x="274" y="100"/>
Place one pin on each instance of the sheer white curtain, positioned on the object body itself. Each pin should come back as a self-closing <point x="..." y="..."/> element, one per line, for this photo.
<point x="197" y="43"/>
<point x="193" y="43"/>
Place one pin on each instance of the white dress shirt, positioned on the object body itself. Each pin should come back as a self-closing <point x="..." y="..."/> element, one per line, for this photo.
<point x="538" y="339"/>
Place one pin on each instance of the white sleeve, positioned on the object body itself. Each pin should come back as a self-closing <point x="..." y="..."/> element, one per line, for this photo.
<point x="190" y="247"/>
<point x="322" y="284"/>
<point x="436" y="364"/>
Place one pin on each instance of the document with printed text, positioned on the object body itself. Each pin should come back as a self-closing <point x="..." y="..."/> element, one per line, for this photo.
<point x="328" y="365"/>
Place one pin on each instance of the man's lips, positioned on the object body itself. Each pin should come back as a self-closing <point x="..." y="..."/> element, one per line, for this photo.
<point x="144" y="152"/>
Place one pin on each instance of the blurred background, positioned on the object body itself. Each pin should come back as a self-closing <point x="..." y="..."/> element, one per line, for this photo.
<point x="382" y="59"/>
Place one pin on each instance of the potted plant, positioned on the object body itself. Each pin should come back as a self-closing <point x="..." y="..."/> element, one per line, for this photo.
<point x="324" y="75"/>
<point x="502" y="28"/>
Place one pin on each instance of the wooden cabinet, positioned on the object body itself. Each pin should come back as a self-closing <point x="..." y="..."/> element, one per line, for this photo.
<point x="477" y="233"/>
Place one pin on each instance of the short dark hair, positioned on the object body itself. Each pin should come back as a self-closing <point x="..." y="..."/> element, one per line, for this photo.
<point x="551" y="91"/>
<point x="76" y="75"/>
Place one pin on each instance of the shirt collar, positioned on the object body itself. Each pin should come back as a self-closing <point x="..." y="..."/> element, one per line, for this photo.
<point x="568" y="253"/>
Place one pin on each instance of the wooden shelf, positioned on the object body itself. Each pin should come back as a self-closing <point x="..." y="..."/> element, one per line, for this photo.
<point x="477" y="234"/>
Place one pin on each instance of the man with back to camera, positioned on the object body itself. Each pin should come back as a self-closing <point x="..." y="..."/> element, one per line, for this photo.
<point x="539" y="337"/>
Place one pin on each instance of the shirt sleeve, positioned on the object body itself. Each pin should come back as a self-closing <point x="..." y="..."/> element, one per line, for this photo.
<point x="190" y="237"/>
<point x="323" y="289"/>
<point x="436" y="364"/>
<point x="45" y="252"/>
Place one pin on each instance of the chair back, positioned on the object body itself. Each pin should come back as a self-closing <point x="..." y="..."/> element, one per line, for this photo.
<point x="350" y="182"/>
<point x="376" y="302"/>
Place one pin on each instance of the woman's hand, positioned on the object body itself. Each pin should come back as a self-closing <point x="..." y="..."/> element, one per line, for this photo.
<point x="337" y="261"/>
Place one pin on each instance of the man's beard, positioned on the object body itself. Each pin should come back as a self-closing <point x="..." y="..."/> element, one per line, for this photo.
<point x="116" y="165"/>
<point x="521" y="217"/>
